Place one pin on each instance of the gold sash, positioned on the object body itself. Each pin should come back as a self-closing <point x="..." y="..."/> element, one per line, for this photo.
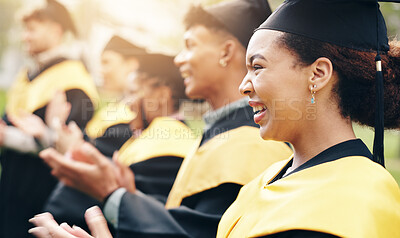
<point x="28" y="96"/>
<point x="164" y="136"/>
<point x="349" y="197"/>
<point x="236" y="156"/>
<point x="108" y="116"/>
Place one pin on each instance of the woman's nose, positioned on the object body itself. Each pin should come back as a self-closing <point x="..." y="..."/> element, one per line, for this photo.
<point x="246" y="87"/>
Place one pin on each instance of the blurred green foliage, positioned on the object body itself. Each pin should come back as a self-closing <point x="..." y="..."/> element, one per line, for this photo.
<point x="2" y="101"/>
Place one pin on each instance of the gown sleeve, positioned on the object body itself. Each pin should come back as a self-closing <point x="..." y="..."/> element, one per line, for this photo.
<point x="112" y="139"/>
<point x="198" y="216"/>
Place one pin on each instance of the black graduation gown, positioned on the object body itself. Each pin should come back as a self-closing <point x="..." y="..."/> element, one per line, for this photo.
<point x="337" y="152"/>
<point x="153" y="176"/>
<point x="69" y="205"/>
<point x="198" y="215"/>
<point x="26" y="181"/>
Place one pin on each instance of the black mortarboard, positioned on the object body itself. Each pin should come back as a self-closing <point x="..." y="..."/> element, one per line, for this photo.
<point x="124" y="47"/>
<point x="58" y="13"/>
<point x="355" y="24"/>
<point x="240" y="17"/>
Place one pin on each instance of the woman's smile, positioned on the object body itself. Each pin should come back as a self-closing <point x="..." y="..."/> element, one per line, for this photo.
<point x="259" y="110"/>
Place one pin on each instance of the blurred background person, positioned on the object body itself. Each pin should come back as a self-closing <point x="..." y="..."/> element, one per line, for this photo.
<point x="26" y="181"/>
<point x="230" y="152"/>
<point x="109" y="127"/>
<point x="154" y="153"/>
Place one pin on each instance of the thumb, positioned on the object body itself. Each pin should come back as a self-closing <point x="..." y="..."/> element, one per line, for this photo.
<point x="115" y="157"/>
<point x="97" y="223"/>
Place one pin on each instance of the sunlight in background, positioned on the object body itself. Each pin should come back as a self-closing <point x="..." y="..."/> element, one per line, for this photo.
<point x="153" y="24"/>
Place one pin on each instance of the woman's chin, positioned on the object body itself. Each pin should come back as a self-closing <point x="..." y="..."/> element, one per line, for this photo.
<point x="267" y="133"/>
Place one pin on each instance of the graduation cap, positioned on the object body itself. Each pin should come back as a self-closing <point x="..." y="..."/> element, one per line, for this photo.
<point x="355" y="24"/>
<point x="124" y="47"/>
<point x="239" y="17"/>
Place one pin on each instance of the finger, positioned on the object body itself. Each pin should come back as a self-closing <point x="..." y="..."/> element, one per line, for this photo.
<point x="63" y="95"/>
<point x="60" y="96"/>
<point x="63" y="167"/>
<point x="66" y="227"/>
<point x="68" y="107"/>
<point x="115" y="157"/>
<point x="46" y="220"/>
<point x="97" y="223"/>
<point x="15" y="120"/>
<point x="56" y="124"/>
<point x="42" y="219"/>
<point x="40" y="232"/>
<point x="74" y="128"/>
<point x="51" y="157"/>
<point x="80" y="232"/>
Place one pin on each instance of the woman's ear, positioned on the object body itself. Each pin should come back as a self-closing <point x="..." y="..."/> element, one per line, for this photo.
<point x="322" y="71"/>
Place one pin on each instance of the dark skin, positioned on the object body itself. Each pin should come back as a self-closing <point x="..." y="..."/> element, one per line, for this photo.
<point x="273" y="81"/>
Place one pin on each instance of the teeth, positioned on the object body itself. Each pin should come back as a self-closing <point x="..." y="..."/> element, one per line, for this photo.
<point x="257" y="109"/>
<point x="185" y="75"/>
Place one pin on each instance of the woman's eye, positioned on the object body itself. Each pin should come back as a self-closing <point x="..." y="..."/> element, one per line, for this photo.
<point x="257" y="67"/>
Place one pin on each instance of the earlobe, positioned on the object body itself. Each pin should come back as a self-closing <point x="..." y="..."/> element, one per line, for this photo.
<point x="322" y="71"/>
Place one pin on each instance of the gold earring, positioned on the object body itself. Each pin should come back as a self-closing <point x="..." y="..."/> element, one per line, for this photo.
<point x="223" y="63"/>
<point x="313" y="94"/>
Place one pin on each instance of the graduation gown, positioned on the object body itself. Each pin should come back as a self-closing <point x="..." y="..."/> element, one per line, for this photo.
<point x="109" y="127"/>
<point x="154" y="157"/>
<point x="339" y="193"/>
<point x="230" y="154"/>
<point x="26" y="181"/>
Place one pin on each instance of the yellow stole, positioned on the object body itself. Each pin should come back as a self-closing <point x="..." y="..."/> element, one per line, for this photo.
<point x="110" y="115"/>
<point x="349" y="197"/>
<point x="236" y="156"/>
<point x="28" y="96"/>
<point x="164" y="136"/>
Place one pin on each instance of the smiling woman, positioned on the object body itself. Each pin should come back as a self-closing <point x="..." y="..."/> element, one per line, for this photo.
<point x="296" y="63"/>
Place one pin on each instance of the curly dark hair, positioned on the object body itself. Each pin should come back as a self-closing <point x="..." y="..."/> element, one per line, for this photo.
<point x="355" y="89"/>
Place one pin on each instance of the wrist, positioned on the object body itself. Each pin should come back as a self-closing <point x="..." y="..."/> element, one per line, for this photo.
<point x="108" y="195"/>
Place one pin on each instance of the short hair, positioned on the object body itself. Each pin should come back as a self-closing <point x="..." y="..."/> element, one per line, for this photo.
<point x="198" y="16"/>
<point x="53" y="11"/>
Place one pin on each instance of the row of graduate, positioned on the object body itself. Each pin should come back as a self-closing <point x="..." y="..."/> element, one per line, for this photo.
<point x="166" y="182"/>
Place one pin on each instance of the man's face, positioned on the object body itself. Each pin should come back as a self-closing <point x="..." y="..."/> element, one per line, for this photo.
<point x="40" y="36"/>
<point x="199" y="62"/>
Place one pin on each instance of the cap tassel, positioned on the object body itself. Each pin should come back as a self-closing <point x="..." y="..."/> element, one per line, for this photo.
<point x="379" y="114"/>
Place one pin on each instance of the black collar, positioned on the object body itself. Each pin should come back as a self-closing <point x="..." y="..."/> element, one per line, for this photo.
<point x="32" y="76"/>
<point x="344" y="149"/>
